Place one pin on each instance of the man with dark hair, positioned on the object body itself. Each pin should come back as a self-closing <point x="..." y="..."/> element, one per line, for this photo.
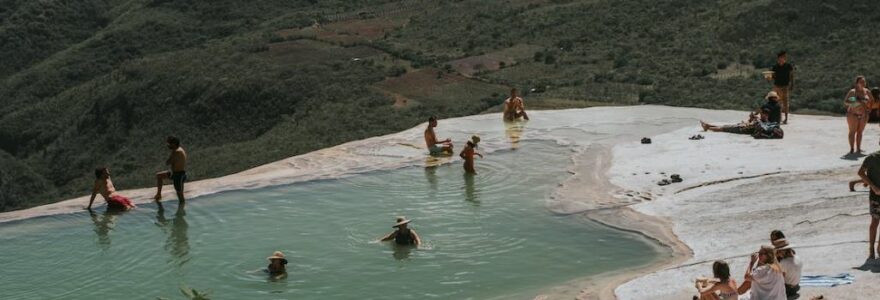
<point x="870" y="175"/>
<point x="783" y="81"/>
<point x="435" y="147"/>
<point x="177" y="173"/>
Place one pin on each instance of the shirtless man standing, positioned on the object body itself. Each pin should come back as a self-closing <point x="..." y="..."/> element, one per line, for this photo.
<point x="436" y="147"/>
<point x="514" y="107"/>
<point x="177" y="174"/>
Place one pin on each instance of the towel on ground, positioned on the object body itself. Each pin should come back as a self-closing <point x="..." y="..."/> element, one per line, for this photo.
<point x="827" y="281"/>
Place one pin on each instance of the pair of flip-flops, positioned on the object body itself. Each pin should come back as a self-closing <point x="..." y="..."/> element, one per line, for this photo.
<point x="696" y="137"/>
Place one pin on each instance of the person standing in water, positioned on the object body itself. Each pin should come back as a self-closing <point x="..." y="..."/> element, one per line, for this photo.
<point x="104" y="186"/>
<point x="177" y="174"/>
<point x="403" y="235"/>
<point x="514" y="108"/>
<point x="277" y="264"/>
<point x="435" y="147"/>
<point x="783" y="81"/>
<point x="468" y="154"/>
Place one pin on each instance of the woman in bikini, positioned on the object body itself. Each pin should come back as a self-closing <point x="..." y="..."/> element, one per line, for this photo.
<point x="720" y="287"/>
<point x="104" y="186"/>
<point x="857" y="102"/>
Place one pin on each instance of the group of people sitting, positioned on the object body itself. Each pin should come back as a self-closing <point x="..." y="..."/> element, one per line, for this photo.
<point x="763" y="123"/>
<point x="774" y="273"/>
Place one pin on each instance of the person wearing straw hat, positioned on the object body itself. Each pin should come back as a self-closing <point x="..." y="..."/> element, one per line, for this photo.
<point x="468" y="154"/>
<point x="403" y="235"/>
<point x="791" y="267"/>
<point x="773" y="105"/>
<point x="277" y="263"/>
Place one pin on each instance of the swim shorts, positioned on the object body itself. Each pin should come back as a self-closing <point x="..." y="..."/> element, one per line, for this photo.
<point x="435" y="150"/>
<point x="178" y="178"/>
<point x="874" y="207"/>
<point x="119" y="202"/>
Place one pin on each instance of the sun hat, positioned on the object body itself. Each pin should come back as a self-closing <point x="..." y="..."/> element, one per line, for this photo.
<point x="771" y="94"/>
<point x="401" y="221"/>
<point x="782" y="244"/>
<point x="276" y="255"/>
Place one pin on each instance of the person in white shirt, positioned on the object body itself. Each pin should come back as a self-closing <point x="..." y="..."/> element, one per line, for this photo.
<point x="764" y="277"/>
<point x="791" y="267"/>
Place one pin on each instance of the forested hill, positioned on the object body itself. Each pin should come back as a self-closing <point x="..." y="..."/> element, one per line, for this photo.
<point x="85" y="83"/>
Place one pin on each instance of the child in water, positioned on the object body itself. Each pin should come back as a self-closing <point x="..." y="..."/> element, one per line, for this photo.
<point x="468" y="154"/>
<point x="104" y="186"/>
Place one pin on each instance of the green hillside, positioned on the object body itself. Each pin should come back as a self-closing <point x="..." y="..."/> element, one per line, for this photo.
<point x="85" y="83"/>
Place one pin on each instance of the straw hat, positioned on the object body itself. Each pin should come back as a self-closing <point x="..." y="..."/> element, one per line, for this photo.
<point x="782" y="244"/>
<point x="276" y="255"/>
<point x="401" y="221"/>
<point x="771" y="94"/>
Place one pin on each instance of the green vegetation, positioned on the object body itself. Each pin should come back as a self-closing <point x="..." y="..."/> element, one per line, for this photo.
<point x="86" y="83"/>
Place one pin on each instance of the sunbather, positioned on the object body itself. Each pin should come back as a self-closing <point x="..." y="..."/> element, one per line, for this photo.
<point x="104" y="186"/>
<point x="758" y="126"/>
<point x="720" y="287"/>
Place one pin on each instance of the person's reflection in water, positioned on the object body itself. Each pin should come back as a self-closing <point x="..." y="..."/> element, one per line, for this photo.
<point x="178" y="241"/>
<point x="514" y="131"/>
<point x="431" y="176"/>
<point x="103" y="225"/>
<point x="470" y="191"/>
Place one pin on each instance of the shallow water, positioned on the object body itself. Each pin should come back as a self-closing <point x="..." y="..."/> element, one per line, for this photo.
<point x="487" y="236"/>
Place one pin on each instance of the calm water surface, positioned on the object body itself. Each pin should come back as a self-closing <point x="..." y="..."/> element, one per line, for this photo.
<point x="487" y="236"/>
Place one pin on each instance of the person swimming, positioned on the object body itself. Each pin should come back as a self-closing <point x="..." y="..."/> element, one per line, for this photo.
<point x="403" y="235"/>
<point x="468" y="154"/>
<point x="277" y="263"/>
<point x="104" y="186"/>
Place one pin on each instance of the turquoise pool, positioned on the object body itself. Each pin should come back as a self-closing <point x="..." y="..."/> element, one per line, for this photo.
<point x="487" y="236"/>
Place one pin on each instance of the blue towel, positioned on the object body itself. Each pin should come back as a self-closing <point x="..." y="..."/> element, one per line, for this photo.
<point x="827" y="281"/>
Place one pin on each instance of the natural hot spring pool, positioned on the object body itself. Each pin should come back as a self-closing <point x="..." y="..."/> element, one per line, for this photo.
<point x="485" y="237"/>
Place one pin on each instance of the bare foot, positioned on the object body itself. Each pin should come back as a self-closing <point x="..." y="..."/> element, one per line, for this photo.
<point x="852" y="186"/>
<point x="705" y="126"/>
<point x="871" y="256"/>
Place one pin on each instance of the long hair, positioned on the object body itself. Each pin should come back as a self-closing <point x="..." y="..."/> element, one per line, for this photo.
<point x="721" y="270"/>
<point x="856" y="83"/>
<point x="770" y="258"/>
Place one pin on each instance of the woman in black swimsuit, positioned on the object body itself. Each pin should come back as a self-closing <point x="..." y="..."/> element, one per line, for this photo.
<point x="403" y="235"/>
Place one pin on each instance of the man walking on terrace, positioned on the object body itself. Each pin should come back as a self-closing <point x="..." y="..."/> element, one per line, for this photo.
<point x="177" y="173"/>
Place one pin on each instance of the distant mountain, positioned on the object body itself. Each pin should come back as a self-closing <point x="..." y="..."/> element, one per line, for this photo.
<point x="87" y="83"/>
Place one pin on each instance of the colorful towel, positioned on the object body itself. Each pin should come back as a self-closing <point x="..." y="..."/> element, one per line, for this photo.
<point x="827" y="281"/>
